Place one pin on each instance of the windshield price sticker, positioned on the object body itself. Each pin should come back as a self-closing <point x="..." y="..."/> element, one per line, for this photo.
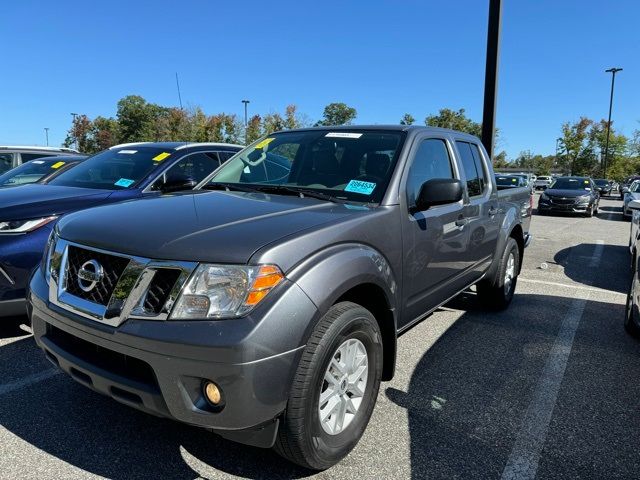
<point x="358" y="186"/>
<point x="57" y="165"/>
<point x="514" y="180"/>
<point x="160" y="157"/>
<point x="128" y="152"/>
<point x="38" y="162"/>
<point x="124" y="182"/>
<point x="264" y="143"/>
<point x="343" y="135"/>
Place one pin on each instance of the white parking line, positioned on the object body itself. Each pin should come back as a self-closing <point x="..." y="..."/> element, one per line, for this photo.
<point x="525" y="454"/>
<point x="28" y="381"/>
<point x="601" y="291"/>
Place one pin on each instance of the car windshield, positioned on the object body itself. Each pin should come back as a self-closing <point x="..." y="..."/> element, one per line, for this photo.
<point x="116" y="169"/>
<point x="352" y="165"/>
<point x="634" y="186"/>
<point x="572" y="184"/>
<point x="505" y="181"/>
<point x="32" y="171"/>
<point x="601" y="182"/>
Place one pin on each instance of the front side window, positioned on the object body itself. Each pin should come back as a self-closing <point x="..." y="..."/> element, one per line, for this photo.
<point x="30" y="172"/>
<point x="430" y="162"/>
<point x="339" y="165"/>
<point x="473" y="168"/>
<point x="117" y="169"/>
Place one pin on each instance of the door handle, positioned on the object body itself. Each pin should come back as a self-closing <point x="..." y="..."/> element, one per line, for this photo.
<point x="461" y="222"/>
<point x="492" y="211"/>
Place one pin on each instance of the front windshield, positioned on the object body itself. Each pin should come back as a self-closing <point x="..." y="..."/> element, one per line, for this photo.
<point x="116" y="169"/>
<point x="344" y="165"/>
<point x="601" y="181"/>
<point x="634" y="186"/>
<point x="572" y="184"/>
<point x="31" y="172"/>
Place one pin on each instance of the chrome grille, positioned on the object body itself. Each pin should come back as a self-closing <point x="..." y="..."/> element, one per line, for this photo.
<point x="562" y="201"/>
<point x="113" y="267"/>
<point x="129" y="287"/>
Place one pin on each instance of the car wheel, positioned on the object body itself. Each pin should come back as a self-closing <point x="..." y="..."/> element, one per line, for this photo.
<point x="631" y="320"/>
<point x="499" y="293"/>
<point x="334" y="389"/>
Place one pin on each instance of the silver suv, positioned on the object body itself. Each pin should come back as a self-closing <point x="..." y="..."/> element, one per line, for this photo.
<point x="12" y="156"/>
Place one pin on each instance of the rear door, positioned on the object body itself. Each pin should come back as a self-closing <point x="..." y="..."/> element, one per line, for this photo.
<point x="6" y="161"/>
<point x="481" y="210"/>
<point x="434" y="240"/>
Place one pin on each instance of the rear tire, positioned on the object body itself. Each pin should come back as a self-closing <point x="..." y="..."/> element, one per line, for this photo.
<point x="498" y="293"/>
<point x="316" y="442"/>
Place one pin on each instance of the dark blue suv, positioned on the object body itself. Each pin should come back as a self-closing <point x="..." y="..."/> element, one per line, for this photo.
<point x="124" y="172"/>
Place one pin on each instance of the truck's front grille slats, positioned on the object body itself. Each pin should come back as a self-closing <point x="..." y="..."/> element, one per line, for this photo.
<point x="159" y="289"/>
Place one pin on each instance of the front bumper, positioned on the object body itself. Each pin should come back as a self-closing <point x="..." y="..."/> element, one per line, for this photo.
<point x="570" y="208"/>
<point x="159" y="366"/>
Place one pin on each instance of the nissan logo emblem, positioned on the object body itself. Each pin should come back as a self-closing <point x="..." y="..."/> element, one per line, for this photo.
<point x="89" y="275"/>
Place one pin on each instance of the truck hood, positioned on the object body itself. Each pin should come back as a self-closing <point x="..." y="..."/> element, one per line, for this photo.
<point x="35" y="200"/>
<point x="219" y="227"/>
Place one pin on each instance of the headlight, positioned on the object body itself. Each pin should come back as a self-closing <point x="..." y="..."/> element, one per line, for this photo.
<point x="584" y="198"/>
<point x="224" y="291"/>
<point x="49" y="248"/>
<point x="24" y="226"/>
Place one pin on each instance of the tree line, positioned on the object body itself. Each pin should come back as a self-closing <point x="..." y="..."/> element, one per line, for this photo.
<point x="580" y="145"/>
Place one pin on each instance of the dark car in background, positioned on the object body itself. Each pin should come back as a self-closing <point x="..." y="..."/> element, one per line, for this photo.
<point x="603" y="186"/>
<point x="570" y="195"/>
<point x="12" y="156"/>
<point x="510" y="181"/>
<point x="41" y="170"/>
<point x="29" y="212"/>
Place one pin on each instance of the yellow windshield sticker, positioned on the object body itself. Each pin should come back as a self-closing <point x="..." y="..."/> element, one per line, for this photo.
<point x="160" y="156"/>
<point x="586" y="182"/>
<point x="57" y="165"/>
<point x="514" y="180"/>
<point x="264" y="142"/>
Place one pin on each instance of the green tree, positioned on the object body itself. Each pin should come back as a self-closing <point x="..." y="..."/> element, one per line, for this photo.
<point x="500" y="160"/>
<point x="139" y="120"/>
<point x="407" y="119"/>
<point x="105" y="133"/>
<point x="454" y="120"/>
<point x="337" y="114"/>
<point x="80" y="134"/>
<point x="577" y="147"/>
<point x="254" y="129"/>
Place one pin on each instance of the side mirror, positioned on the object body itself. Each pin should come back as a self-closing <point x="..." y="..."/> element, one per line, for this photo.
<point x="176" y="182"/>
<point x="438" y="191"/>
<point x="634" y="205"/>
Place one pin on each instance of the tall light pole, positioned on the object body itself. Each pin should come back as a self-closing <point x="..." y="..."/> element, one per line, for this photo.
<point x="613" y="72"/>
<point x="558" y="140"/>
<point x="246" y="102"/>
<point x="491" y="76"/>
<point x="73" y="127"/>
<point x="46" y="134"/>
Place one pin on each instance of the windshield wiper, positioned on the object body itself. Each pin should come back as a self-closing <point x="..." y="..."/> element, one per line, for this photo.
<point x="229" y="187"/>
<point x="299" y="192"/>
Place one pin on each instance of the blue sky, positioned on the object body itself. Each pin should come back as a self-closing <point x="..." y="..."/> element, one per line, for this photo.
<point x="384" y="58"/>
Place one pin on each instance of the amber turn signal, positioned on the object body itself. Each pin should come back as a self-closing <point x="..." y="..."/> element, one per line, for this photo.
<point x="268" y="277"/>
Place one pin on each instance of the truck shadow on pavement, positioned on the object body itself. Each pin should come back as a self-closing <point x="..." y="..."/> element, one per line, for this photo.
<point x="613" y="271"/>
<point x="469" y="392"/>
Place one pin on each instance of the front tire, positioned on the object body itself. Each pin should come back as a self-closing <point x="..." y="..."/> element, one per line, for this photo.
<point x="498" y="294"/>
<point x="334" y="389"/>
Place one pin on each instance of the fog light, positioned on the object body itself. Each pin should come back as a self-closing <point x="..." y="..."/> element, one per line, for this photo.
<point x="212" y="393"/>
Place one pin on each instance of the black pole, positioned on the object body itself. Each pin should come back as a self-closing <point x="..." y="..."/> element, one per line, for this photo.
<point x="491" y="76"/>
<point x="613" y="71"/>
<point x="246" y="102"/>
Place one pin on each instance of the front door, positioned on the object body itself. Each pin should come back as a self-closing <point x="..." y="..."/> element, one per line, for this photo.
<point x="434" y="240"/>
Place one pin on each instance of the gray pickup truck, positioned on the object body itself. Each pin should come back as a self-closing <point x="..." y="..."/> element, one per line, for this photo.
<point x="265" y="306"/>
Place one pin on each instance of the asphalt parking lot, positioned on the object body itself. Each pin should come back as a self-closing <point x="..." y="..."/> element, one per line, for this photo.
<point x="547" y="389"/>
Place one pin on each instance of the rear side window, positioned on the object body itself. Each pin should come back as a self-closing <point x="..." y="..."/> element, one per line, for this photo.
<point x="27" y="157"/>
<point x="431" y="161"/>
<point x="473" y="168"/>
<point x="6" y="162"/>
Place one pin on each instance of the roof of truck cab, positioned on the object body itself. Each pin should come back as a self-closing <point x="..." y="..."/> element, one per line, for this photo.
<point x="399" y="128"/>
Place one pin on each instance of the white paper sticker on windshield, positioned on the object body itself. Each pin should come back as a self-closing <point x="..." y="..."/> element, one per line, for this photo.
<point x="129" y="152"/>
<point x="38" y="162"/>
<point x="343" y="135"/>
